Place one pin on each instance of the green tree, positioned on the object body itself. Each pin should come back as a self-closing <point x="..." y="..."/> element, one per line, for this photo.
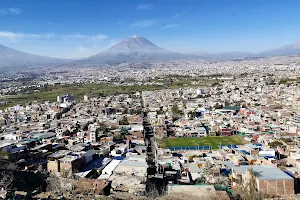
<point x="275" y="144"/>
<point x="124" y="121"/>
<point x="119" y="137"/>
<point x="218" y="106"/>
<point x="192" y="115"/>
<point x="7" y="170"/>
<point x="4" y="155"/>
<point x="176" y="113"/>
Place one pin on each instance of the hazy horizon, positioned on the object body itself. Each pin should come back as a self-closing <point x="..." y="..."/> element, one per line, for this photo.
<point x="81" y="29"/>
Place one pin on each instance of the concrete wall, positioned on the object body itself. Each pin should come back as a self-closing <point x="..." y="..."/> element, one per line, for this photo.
<point x="71" y="167"/>
<point x="53" y="166"/>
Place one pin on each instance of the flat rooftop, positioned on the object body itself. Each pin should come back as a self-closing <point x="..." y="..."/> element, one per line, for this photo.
<point x="264" y="172"/>
<point x="60" y="154"/>
<point x="69" y="158"/>
<point x="133" y="163"/>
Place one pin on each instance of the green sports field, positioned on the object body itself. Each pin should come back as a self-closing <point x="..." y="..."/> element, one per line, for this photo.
<point x="204" y="141"/>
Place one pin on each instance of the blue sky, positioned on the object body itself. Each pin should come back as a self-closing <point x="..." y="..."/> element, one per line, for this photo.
<point x="80" y="28"/>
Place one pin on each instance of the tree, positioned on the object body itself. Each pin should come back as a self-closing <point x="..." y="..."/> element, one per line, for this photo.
<point x="249" y="190"/>
<point x="160" y="112"/>
<point x="124" y="121"/>
<point x="102" y="127"/>
<point x="125" y="111"/>
<point x="286" y="140"/>
<point x="200" y="180"/>
<point x="227" y="103"/>
<point x="192" y="115"/>
<point x="218" y="106"/>
<point x="4" y="155"/>
<point x="53" y="183"/>
<point x="222" y="180"/>
<point x="7" y="170"/>
<point x="176" y="112"/>
<point x="275" y="144"/>
<point x="119" y="138"/>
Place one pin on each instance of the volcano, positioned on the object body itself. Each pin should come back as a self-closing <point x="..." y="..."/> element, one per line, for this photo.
<point x="135" y="48"/>
<point x="135" y="44"/>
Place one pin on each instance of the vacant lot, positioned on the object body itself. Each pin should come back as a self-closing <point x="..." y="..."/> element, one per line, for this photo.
<point x="205" y="141"/>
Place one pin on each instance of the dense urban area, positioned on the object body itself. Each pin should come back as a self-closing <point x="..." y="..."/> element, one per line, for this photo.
<point x="185" y="129"/>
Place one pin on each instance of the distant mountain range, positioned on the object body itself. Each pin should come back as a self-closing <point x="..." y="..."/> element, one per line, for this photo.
<point x="223" y="55"/>
<point x="134" y="49"/>
<point x="17" y="59"/>
<point x="291" y="49"/>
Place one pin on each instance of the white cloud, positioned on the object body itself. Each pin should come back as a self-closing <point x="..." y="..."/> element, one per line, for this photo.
<point x="84" y="51"/>
<point x="12" y="35"/>
<point x="81" y="36"/>
<point x="15" y="36"/>
<point x="144" y="7"/>
<point x="143" y="23"/>
<point x="171" y="26"/>
<point x="75" y="36"/>
<point x="175" y="16"/>
<point x="81" y="49"/>
<point x="101" y="37"/>
<point x="178" y="15"/>
<point x="10" y="11"/>
<point x="16" y="11"/>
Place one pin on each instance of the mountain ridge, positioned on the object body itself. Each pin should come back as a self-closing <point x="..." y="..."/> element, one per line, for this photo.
<point x="135" y="49"/>
<point x="10" y="57"/>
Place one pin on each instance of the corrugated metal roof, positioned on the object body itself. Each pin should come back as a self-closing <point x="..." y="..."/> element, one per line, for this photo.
<point x="264" y="172"/>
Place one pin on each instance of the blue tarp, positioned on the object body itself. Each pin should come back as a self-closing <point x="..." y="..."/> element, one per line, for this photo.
<point x="177" y="155"/>
<point x="229" y="146"/>
<point x="245" y="152"/>
<point x="226" y="171"/>
<point x="119" y="157"/>
<point x="185" y="148"/>
<point x="269" y="156"/>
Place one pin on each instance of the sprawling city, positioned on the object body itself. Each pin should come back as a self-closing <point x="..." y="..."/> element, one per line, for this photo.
<point x="137" y="121"/>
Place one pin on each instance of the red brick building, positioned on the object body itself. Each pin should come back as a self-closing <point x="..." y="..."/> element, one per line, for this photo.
<point x="226" y="131"/>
